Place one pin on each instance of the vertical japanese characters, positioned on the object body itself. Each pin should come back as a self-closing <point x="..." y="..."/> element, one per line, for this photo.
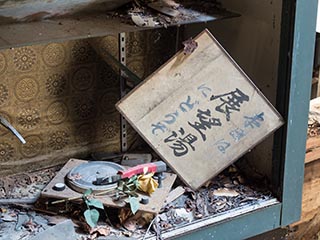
<point x="224" y="105"/>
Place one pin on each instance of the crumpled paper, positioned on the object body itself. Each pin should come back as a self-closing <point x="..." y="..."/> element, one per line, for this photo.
<point x="147" y="184"/>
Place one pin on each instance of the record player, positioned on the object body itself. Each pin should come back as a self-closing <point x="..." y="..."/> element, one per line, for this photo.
<point x="103" y="177"/>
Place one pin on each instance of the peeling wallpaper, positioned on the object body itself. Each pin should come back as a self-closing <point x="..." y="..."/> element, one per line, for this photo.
<point x="61" y="97"/>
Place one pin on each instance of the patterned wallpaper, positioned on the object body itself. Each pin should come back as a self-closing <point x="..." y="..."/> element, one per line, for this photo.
<point x="61" y="97"/>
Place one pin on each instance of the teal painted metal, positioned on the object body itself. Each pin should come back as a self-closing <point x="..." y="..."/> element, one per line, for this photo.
<point x="295" y="75"/>
<point x="241" y="227"/>
<point x="284" y="73"/>
<point x="300" y="87"/>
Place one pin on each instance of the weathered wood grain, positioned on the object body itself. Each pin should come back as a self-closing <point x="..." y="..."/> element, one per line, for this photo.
<point x="309" y="223"/>
<point x="312" y="149"/>
<point x="200" y="112"/>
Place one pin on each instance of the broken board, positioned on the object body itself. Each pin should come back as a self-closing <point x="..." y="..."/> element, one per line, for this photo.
<point x="156" y="201"/>
<point x="200" y="112"/>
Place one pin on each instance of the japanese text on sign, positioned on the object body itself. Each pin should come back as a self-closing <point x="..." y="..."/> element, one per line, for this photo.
<point x="182" y="141"/>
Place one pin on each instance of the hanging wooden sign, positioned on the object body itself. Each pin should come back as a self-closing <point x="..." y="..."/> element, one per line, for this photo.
<point x="200" y="112"/>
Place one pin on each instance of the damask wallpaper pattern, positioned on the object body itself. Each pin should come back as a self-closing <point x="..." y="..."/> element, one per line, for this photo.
<point x="61" y="97"/>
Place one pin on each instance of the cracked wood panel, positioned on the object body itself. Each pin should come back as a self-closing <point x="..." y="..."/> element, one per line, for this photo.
<point x="197" y="112"/>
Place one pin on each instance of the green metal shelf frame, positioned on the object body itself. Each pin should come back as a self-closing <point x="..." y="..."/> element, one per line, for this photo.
<point x="298" y="108"/>
<point x="295" y="76"/>
<point x="241" y="227"/>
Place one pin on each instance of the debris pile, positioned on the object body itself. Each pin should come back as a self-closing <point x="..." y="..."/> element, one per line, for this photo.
<point x="314" y="118"/>
<point x="21" y="223"/>
<point x="25" y="186"/>
<point x="131" y="195"/>
<point x="313" y="129"/>
<point x="92" y="219"/>
<point x="226" y="192"/>
<point x="165" y="12"/>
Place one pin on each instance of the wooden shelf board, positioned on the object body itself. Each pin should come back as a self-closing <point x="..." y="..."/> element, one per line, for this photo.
<point x="78" y="27"/>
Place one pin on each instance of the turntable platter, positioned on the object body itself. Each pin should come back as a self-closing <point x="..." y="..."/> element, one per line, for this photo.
<point x="81" y="177"/>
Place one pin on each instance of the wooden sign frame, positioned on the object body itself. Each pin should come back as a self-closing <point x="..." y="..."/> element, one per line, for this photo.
<point x="200" y="112"/>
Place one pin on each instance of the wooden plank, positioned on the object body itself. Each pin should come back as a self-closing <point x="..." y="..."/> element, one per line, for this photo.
<point x="156" y="200"/>
<point x="174" y="194"/>
<point x="309" y="223"/>
<point x="311" y="188"/>
<point x="306" y="229"/>
<point x="200" y="112"/>
<point x="313" y="155"/>
<point x="313" y="142"/>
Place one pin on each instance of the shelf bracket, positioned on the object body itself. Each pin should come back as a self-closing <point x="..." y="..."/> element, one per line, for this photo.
<point x="123" y="122"/>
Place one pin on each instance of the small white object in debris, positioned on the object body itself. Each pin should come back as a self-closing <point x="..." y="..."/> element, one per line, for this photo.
<point x="150" y="22"/>
<point x="138" y="20"/>
<point x="314" y="110"/>
<point x="171" y="3"/>
<point x="143" y="21"/>
<point x="8" y="217"/>
<point x="183" y="213"/>
<point x="163" y="217"/>
<point x="225" y="192"/>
